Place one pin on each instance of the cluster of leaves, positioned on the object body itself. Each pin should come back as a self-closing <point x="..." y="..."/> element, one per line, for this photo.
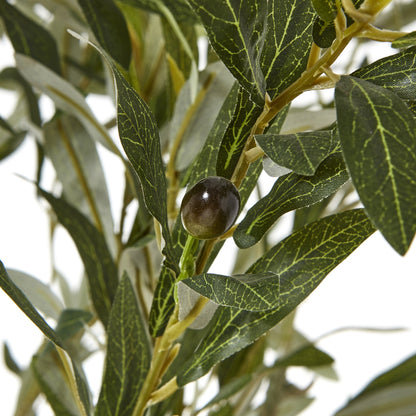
<point x="177" y="125"/>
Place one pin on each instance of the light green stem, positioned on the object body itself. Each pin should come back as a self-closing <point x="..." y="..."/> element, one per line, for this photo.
<point x="187" y="263"/>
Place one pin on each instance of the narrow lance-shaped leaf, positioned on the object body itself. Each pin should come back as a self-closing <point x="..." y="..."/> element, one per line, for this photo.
<point x="302" y="261"/>
<point x="99" y="266"/>
<point x="301" y="152"/>
<point x="163" y="302"/>
<point x="403" y="372"/>
<point x="392" y="392"/>
<point x="38" y="293"/>
<point x="50" y="376"/>
<point x="290" y="192"/>
<point x="49" y="371"/>
<point x="287" y="44"/>
<point x="229" y="389"/>
<point x="179" y="8"/>
<point x="10" y="140"/>
<point x="378" y="138"/>
<point x="71" y="321"/>
<point x="258" y="292"/>
<point x="211" y="97"/>
<point x="56" y="337"/>
<point x="29" y="38"/>
<point x="181" y="56"/>
<point x="205" y="164"/>
<point x="398" y="399"/>
<point x="65" y="96"/>
<point x="10" y="362"/>
<point x="127" y="357"/>
<point x="140" y="139"/>
<point x="306" y="356"/>
<point x="12" y="74"/>
<point x="23" y="303"/>
<point x="78" y="167"/>
<point x="235" y="137"/>
<point x="236" y="30"/>
<point x="109" y="27"/>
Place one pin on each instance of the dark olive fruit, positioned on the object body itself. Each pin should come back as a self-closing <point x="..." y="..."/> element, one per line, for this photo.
<point x="210" y="207"/>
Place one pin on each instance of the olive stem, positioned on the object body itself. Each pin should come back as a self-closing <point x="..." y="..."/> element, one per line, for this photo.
<point x="160" y="355"/>
<point x="186" y="262"/>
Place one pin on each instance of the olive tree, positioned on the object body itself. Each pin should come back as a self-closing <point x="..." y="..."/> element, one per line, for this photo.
<point x="193" y="129"/>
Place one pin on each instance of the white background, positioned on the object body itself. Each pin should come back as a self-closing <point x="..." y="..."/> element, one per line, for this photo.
<point x="374" y="287"/>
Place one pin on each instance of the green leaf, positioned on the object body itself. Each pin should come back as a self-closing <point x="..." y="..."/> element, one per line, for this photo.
<point x="301" y="152"/>
<point x="404" y="372"/>
<point x="258" y="292"/>
<point x="29" y="38"/>
<point x="12" y="74"/>
<point x="71" y="321"/>
<point x="163" y="302"/>
<point x="187" y="299"/>
<point x="304" y="119"/>
<point x="10" y="141"/>
<point x="396" y="72"/>
<point x="290" y="192"/>
<point x="128" y="355"/>
<point x="378" y="138"/>
<point x="236" y="30"/>
<point x="23" y="303"/>
<point x="323" y="33"/>
<point x="99" y="266"/>
<point x="177" y="51"/>
<point x="75" y="158"/>
<point x="10" y="362"/>
<point x="229" y="389"/>
<point x="405" y="41"/>
<point x="54" y="385"/>
<point x="6" y="126"/>
<point x="65" y="96"/>
<point x="287" y="44"/>
<point x="398" y="399"/>
<point x="69" y="325"/>
<point x="250" y="181"/>
<point x="205" y="163"/>
<point x="306" y="356"/>
<point x="38" y="293"/>
<point x="179" y="8"/>
<point x="326" y="9"/>
<point x="109" y="27"/>
<point x="245" y="115"/>
<point x="140" y="139"/>
<point x="49" y="370"/>
<point x="224" y="410"/>
<point x="215" y="89"/>
<point x="302" y="261"/>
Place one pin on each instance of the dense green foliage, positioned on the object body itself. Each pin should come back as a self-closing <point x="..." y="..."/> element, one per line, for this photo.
<point x="168" y="320"/>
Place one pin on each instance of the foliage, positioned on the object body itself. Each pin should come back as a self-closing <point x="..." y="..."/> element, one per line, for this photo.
<point x="169" y="320"/>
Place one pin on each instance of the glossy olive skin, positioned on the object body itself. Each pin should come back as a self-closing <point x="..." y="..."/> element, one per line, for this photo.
<point x="210" y="207"/>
